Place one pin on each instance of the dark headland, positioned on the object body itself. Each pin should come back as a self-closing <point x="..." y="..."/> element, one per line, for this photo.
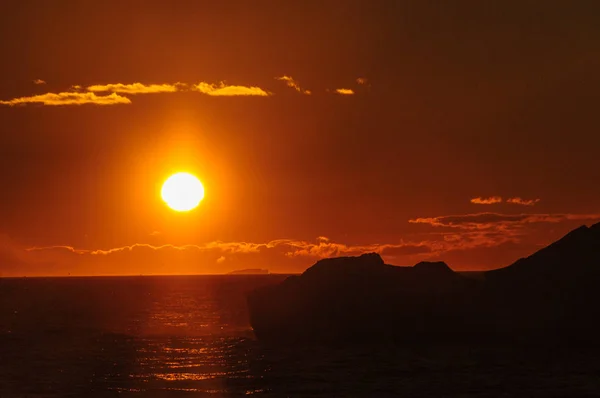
<point x="551" y="296"/>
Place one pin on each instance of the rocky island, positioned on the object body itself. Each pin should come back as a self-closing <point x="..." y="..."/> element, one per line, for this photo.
<point x="552" y="295"/>
<point x="251" y="271"/>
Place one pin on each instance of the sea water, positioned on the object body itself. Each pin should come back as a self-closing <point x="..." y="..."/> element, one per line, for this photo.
<point x="189" y="336"/>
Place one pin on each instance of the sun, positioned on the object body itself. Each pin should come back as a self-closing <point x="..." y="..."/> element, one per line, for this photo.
<point x="182" y="192"/>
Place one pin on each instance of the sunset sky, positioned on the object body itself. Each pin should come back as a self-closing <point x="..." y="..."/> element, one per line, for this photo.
<point x="462" y="131"/>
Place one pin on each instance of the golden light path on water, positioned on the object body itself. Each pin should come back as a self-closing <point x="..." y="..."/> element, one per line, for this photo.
<point x="202" y="365"/>
<point x="192" y="344"/>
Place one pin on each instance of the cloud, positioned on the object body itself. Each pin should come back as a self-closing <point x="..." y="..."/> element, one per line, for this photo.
<point x="217" y="256"/>
<point x="487" y="201"/>
<point x="88" y="95"/>
<point x="523" y="202"/>
<point x="281" y="255"/>
<point x="344" y="91"/>
<point x="488" y="220"/>
<point x="497" y="199"/>
<point x="363" y="81"/>
<point x="218" y="90"/>
<point x="135" y="88"/>
<point x="454" y="238"/>
<point x="290" y="82"/>
<point x="69" y="98"/>
<point x="224" y="90"/>
<point x="322" y="248"/>
<point x="522" y="233"/>
<point x="284" y="253"/>
<point x="102" y="252"/>
<point x="490" y="240"/>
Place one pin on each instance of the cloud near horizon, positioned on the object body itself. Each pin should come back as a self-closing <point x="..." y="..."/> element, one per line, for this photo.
<point x="135" y="88"/>
<point x="87" y="95"/>
<point x="523" y="202"/>
<point x="69" y="98"/>
<point x="498" y="199"/>
<point x="487" y="220"/>
<point x="211" y="257"/>
<point x="497" y="239"/>
<point x="322" y="248"/>
<point x="224" y="90"/>
<point x="363" y="81"/>
<point x="486" y="201"/>
<point x="466" y="239"/>
<point x="290" y="82"/>
<point x="344" y="91"/>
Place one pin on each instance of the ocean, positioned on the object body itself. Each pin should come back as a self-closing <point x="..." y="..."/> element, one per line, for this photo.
<point x="189" y="336"/>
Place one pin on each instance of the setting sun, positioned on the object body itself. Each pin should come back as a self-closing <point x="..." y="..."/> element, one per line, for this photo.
<point x="182" y="192"/>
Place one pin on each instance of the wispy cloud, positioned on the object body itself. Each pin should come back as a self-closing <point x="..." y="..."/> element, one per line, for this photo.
<point x="487" y="220"/>
<point x="301" y="252"/>
<point x="69" y="98"/>
<point x="344" y="91"/>
<point x="523" y="202"/>
<point x="115" y="92"/>
<point x="104" y="252"/>
<point x="321" y="248"/>
<point x="135" y="88"/>
<point x="285" y="255"/>
<point x="290" y="82"/>
<point x="324" y="248"/>
<point x="487" y="201"/>
<point x="224" y="90"/>
<point x="494" y="239"/>
<point x="363" y="81"/>
<point x="475" y="239"/>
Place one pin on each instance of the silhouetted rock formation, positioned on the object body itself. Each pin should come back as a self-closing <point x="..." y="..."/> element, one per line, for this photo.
<point x="434" y="268"/>
<point x="552" y="294"/>
<point x="356" y="297"/>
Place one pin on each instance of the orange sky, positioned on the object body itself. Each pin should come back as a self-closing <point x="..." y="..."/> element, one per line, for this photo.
<point x="462" y="132"/>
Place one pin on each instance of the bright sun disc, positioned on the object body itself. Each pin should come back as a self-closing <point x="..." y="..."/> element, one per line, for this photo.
<point x="182" y="192"/>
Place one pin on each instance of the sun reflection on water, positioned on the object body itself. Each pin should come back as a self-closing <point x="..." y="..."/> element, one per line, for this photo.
<point x="148" y="337"/>
<point x="206" y="364"/>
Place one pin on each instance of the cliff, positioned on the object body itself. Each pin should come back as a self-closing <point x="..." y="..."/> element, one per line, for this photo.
<point x="548" y="296"/>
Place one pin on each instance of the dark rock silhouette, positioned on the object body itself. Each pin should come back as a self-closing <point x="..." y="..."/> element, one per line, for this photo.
<point x="551" y="295"/>
<point x="554" y="293"/>
<point x="349" y="298"/>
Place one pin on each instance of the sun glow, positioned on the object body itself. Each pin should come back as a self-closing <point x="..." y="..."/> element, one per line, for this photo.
<point x="182" y="192"/>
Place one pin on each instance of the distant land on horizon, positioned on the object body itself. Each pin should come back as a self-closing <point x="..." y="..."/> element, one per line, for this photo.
<point x="249" y="271"/>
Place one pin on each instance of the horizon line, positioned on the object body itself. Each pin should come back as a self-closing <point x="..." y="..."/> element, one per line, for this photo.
<point x="141" y="275"/>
